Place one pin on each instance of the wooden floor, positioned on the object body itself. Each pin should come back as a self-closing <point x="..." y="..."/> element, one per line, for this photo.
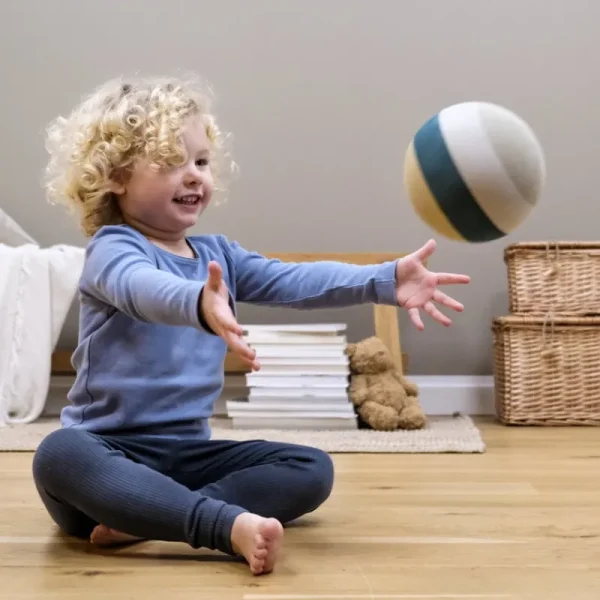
<point x="521" y="521"/>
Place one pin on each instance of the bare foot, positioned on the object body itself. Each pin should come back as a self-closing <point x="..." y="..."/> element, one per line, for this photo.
<point x="258" y="540"/>
<point x="105" y="536"/>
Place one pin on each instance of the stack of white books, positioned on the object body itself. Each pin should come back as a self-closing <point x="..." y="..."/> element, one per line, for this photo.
<point x="303" y="380"/>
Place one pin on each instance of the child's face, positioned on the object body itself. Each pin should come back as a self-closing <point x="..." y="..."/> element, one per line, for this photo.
<point x="167" y="202"/>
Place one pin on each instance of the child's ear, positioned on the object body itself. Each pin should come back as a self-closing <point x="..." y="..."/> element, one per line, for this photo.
<point x="117" y="182"/>
<point x="116" y="188"/>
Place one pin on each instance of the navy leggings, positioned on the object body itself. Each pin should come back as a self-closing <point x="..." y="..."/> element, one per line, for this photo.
<point x="171" y="489"/>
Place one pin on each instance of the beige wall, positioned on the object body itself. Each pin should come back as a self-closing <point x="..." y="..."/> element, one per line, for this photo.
<point x="323" y="97"/>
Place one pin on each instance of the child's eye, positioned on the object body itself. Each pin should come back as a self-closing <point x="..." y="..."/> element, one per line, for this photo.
<point x="203" y="162"/>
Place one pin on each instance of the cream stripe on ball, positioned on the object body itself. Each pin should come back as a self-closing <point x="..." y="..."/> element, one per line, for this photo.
<point x="517" y="148"/>
<point x="478" y="163"/>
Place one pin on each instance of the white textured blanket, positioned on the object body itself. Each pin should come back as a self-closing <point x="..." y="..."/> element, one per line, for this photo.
<point x="37" y="288"/>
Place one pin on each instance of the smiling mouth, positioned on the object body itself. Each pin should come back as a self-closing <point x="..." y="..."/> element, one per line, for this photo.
<point x="189" y="200"/>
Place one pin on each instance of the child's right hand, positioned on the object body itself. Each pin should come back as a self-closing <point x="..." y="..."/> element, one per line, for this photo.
<point x="219" y="317"/>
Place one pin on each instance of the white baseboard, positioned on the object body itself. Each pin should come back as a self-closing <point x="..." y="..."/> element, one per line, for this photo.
<point x="438" y="394"/>
<point x="448" y="394"/>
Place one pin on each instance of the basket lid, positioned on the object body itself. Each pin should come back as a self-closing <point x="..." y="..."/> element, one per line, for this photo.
<point x="552" y="248"/>
<point x="554" y="244"/>
<point x="549" y="320"/>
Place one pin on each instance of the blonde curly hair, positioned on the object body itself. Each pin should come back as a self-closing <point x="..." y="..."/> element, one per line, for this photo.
<point x="121" y="121"/>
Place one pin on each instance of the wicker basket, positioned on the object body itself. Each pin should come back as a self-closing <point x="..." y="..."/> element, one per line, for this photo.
<point x="558" y="277"/>
<point x="547" y="371"/>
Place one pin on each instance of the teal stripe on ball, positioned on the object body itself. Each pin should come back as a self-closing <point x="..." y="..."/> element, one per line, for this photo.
<point x="448" y="187"/>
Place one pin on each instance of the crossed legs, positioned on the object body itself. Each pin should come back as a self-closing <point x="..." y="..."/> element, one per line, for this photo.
<point x="230" y="496"/>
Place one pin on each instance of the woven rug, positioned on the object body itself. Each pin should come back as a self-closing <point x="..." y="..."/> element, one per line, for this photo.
<point x="443" y="434"/>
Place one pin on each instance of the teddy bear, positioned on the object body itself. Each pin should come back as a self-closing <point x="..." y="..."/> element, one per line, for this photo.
<point x="383" y="399"/>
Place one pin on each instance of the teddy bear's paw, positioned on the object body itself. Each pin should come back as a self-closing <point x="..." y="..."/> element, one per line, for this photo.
<point x="381" y="418"/>
<point x="350" y="349"/>
<point x="411" y="388"/>
<point x="412" y="417"/>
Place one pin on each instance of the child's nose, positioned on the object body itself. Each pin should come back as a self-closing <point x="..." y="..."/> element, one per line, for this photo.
<point x="193" y="176"/>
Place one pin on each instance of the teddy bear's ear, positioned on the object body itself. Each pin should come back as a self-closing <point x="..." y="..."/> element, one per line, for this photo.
<point x="350" y="349"/>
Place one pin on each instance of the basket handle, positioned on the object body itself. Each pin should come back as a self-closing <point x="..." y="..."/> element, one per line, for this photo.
<point x="548" y="349"/>
<point x="552" y="270"/>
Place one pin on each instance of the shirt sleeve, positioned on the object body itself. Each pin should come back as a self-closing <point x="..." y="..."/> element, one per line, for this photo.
<point x="308" y="285"/>
<point x="120" y="272"/>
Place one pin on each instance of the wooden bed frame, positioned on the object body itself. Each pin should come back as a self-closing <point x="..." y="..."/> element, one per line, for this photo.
<point x="385" y="318"/>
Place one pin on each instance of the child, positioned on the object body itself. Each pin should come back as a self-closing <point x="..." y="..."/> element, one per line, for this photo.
<point x="134" y="460"/>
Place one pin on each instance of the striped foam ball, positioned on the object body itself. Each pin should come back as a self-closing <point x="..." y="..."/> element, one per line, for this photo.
<point x="474" y="171"/>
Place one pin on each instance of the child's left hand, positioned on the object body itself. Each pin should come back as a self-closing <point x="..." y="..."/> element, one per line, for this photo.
<point x="416" y="287"/>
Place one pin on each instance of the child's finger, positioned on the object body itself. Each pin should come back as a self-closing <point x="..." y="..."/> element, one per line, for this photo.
<point x="438" y="315"/>
<point x="452" y="278"/>
<point x="426" y="250"/>
<point x="415" y="317"/>
<point x="215" y="276"/>
<point x="227" y="319"/>
<point x="446" y="300"/>
<point x="227" y="327"/>
<point x="239" y="346"/>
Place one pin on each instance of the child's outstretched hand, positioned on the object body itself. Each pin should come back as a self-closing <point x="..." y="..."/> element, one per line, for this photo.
<point x="220" y="318"/>
<point x="416" y="287"/>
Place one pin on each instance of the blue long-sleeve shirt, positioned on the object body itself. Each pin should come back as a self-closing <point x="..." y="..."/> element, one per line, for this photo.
<point x="145" y="359"/>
